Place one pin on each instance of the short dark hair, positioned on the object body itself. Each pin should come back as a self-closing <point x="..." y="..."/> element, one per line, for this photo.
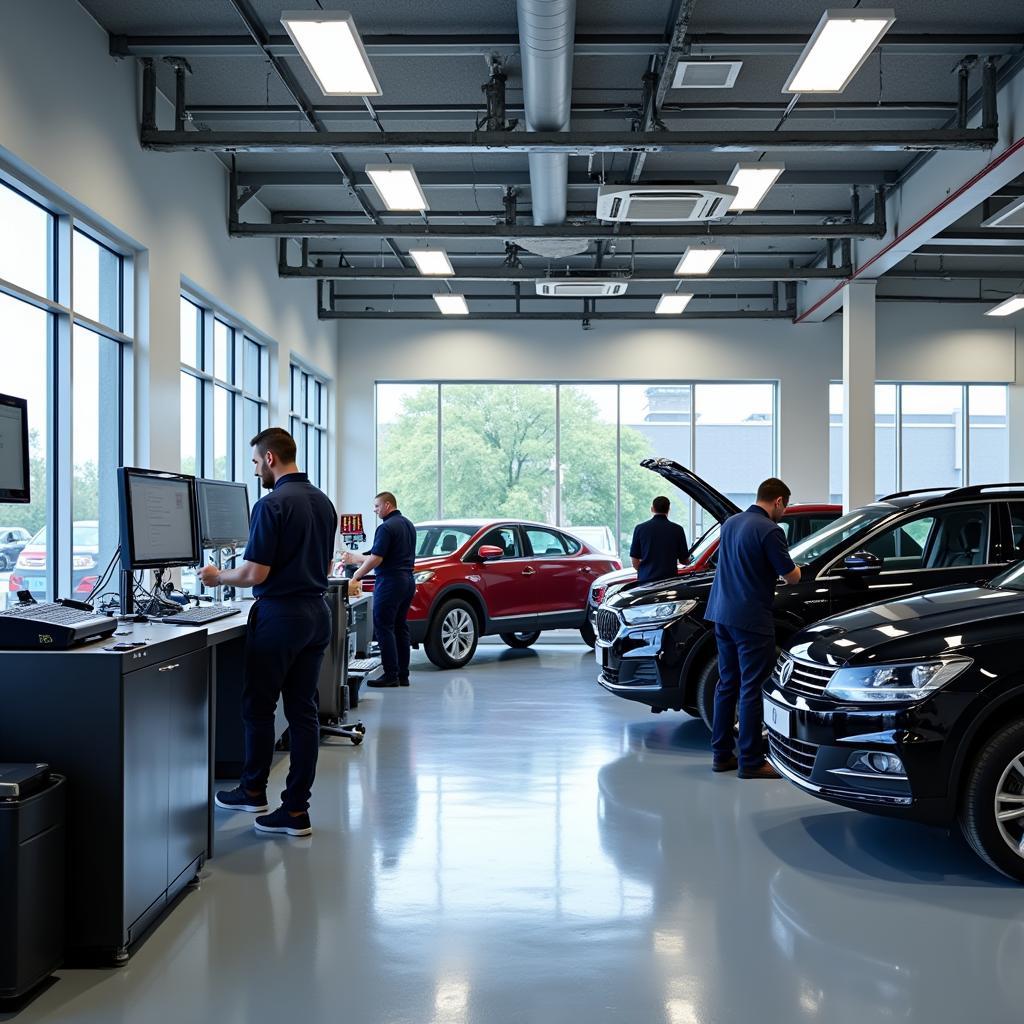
<point x="661" y="505"/>
<point x="276" y="440"/>
<point x="388" y="497"/>
<point x="772" y="489"/>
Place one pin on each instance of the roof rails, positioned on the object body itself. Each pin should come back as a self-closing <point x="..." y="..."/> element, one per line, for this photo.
<point x="971" y="490"/>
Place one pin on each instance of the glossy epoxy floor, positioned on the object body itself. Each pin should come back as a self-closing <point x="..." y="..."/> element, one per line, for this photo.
<point x="513" y="845"/>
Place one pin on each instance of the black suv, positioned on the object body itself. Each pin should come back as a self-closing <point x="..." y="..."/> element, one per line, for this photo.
<point x="654" y="645"/>
<point x="913" y="708"/>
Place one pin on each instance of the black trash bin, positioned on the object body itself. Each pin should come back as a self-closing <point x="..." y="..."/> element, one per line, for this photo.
<point x="32" y="839"/>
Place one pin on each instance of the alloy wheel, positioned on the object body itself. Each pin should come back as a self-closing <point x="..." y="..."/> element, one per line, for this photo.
<point x="1009" y="804"/>
<point x="457" y="633"/>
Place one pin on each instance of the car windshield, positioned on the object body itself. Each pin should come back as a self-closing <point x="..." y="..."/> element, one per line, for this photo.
<point x="1012" y="579"/>
<point x="822" y="541"/>
<point x="434" y="540"/>
<point x="707" y="540"/>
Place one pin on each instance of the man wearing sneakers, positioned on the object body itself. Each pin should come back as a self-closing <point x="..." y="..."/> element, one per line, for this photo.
<point x="291" y="541"/>
<point x="752" y="555"/>
<point x="391" y="559"/>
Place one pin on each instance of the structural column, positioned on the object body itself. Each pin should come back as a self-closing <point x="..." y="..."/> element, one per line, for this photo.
<point x="858" y="394"/>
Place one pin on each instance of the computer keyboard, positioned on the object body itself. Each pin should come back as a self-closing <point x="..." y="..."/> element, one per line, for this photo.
<point x="50" y="626"/>
<point x="200" y="615"/>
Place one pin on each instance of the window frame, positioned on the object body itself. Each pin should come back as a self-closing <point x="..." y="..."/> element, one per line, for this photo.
<point x="310" y="417"/>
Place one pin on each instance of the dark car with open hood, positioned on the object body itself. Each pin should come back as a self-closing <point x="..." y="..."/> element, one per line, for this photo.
<point x="913" y="708"/>
<point x="654" y="645"/>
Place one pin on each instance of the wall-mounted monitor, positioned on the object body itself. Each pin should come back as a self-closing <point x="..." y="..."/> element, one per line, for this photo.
<point x="14" y="469"/>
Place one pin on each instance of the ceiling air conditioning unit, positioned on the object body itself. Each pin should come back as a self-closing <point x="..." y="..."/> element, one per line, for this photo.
<point x="580" y="288"/>
<point x="664" y="204"/>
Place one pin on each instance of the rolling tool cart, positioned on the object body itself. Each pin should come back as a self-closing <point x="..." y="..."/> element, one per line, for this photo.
<point x="333" y="689"/>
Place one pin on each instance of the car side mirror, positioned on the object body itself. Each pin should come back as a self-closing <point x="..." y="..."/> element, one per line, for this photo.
<point x="863" y="563"/>
<point x="490" y="552"/>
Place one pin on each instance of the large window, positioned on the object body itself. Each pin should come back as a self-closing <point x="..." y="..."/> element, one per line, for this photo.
<point x="569" y="454"/>
<point x="65" y="339"/>
<point x="307" y="422"/>
<point x="225" y="394"/>
<point x="929" y="435"/>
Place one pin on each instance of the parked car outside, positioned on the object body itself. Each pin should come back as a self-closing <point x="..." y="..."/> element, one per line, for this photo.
<point x="599" y="539"/>
<point x="12" y="540"/>
<point x="29" y="571"/>
<point x="479" y="577"/>
<point x="913" y="708"/>
<point x="655" y="647"/>
<point x="800" y="521"/>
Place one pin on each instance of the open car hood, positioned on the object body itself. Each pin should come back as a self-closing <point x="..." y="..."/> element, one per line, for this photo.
<point x="713" y="501"/>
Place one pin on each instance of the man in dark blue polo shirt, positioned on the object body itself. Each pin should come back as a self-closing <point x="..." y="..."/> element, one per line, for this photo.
<point x="391" y="560"/>
<point x="658" y="544"/>
<point x="291" y="541"/>
<point x="752" y="555"/>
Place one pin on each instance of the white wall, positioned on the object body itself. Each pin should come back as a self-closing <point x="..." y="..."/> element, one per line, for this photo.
<point x="923" y="342"/>
<point x="69" y="122"/>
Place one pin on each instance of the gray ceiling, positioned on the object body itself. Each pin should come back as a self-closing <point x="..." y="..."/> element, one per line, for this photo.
<point x="445" y="92"/>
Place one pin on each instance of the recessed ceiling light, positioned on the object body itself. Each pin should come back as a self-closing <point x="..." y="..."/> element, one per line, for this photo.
<point x="706" y="74"/>
<point x="451" y="305"/>
<point x="837" y="48"/>
<point x="674" y="303"/>
<point x="1010" y="216"/>
<point x="398" y="186"/>
<point x="753" y="182"/>
<point x="432" y="262"/>
<point x="330" y="45"/>
<point x="698" y="261"/>
<point x="1013" y="304"/>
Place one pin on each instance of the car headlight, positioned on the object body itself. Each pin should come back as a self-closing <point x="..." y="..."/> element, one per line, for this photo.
<point x="905" y="682"/>
<point x="424" y="577"/>
<point x="657" y="612"/>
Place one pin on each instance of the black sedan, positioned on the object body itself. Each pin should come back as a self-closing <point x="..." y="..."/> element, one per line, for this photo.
<point x="913" y="708"/>
<point x="654" y="645"/>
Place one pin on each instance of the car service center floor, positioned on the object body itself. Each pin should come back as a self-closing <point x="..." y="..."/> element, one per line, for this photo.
<point x="511" y="844"/>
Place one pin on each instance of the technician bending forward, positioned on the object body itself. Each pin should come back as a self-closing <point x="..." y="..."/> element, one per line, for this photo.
<point x="752" y="554"/>
<point x="391" y="559"/>
<point x="291" y="541"/>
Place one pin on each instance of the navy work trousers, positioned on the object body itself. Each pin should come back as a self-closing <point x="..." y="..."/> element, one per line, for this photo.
<point x="392" y="595"/>
<point x="284" y="648"/>
<point x="745" y="661"/>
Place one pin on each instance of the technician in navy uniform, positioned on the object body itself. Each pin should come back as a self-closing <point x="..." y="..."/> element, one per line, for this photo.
<point x="752" y="555"/>
<point x="391" y="560"/>
<point x="658" y="544"/>
<point x="291" y="541"/>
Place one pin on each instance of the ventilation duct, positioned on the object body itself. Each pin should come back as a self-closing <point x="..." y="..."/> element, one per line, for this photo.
<point x="546" y="30"/>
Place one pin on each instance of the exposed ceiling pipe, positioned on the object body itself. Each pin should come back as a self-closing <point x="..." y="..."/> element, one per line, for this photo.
<point x="546" y="32"/>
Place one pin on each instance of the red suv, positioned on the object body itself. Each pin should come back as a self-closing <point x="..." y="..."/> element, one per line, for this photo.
<point x="480" y="577"/>
<point x="800" y="521"/>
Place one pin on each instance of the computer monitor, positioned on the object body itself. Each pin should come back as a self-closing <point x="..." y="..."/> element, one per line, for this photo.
<point x="223" y="513"/>
<point x="14" y="471"/>
<point x="159" y="519"/>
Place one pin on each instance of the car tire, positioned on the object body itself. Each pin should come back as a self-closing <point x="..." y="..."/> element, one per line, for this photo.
<point x="996" y="771"/>
<point x="587" y="633"/>
<point x="707" y="680"/>
<point x="453" y="634"/>
<point x="520" y="641"/>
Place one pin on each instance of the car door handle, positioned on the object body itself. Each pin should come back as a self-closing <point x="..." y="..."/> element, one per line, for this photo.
<point x="529" y="571"/>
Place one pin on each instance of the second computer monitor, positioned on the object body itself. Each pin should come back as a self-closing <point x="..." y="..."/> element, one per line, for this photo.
<point x="158" y="519"/>
<point x="223" y="513"/>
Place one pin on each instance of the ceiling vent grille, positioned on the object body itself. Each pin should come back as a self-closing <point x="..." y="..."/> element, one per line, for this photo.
<point x="706" y="74"/>
<point x="664" y="204"/>
<point x="590" y="288"/>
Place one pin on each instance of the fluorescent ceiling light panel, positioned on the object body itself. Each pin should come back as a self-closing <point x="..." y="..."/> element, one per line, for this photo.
<point x="753" y="182"/>
<point x="432" y="262"/>
<point x="451" y="305"/>
<point x="1010" y="216"/>
<point x="672" y="304"/>
<point x="330" y="45"/>
<point x="1014" y="304"/>
<point x="698" y="261"/>
<point x="397" y="186"/>
<point x="838" y="47"/>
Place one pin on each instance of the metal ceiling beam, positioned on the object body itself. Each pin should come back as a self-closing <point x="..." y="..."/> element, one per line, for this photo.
<point x="940" y="249"/>
<point x="511" y="274"/>
<point x="586" y="45"/>
<point x="955" y="275"/>
<point x="572" y="143"/>
<point x="702" y="230"/>
<point x="738" y="314"/>
<point x="648" y="297"/>
<point x="520" y="179"/>
<point x="427" y="112"/>
<point x="670" y="258"/>
<point x="995" y="239"/>
<point x="581" y="214"/>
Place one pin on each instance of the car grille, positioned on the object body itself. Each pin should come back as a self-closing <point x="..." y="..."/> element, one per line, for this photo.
<point x="611" y="675"/>
<point x="795" y="755"/>
<point x="607" y="624"/>
<point x="809" y="679"/>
